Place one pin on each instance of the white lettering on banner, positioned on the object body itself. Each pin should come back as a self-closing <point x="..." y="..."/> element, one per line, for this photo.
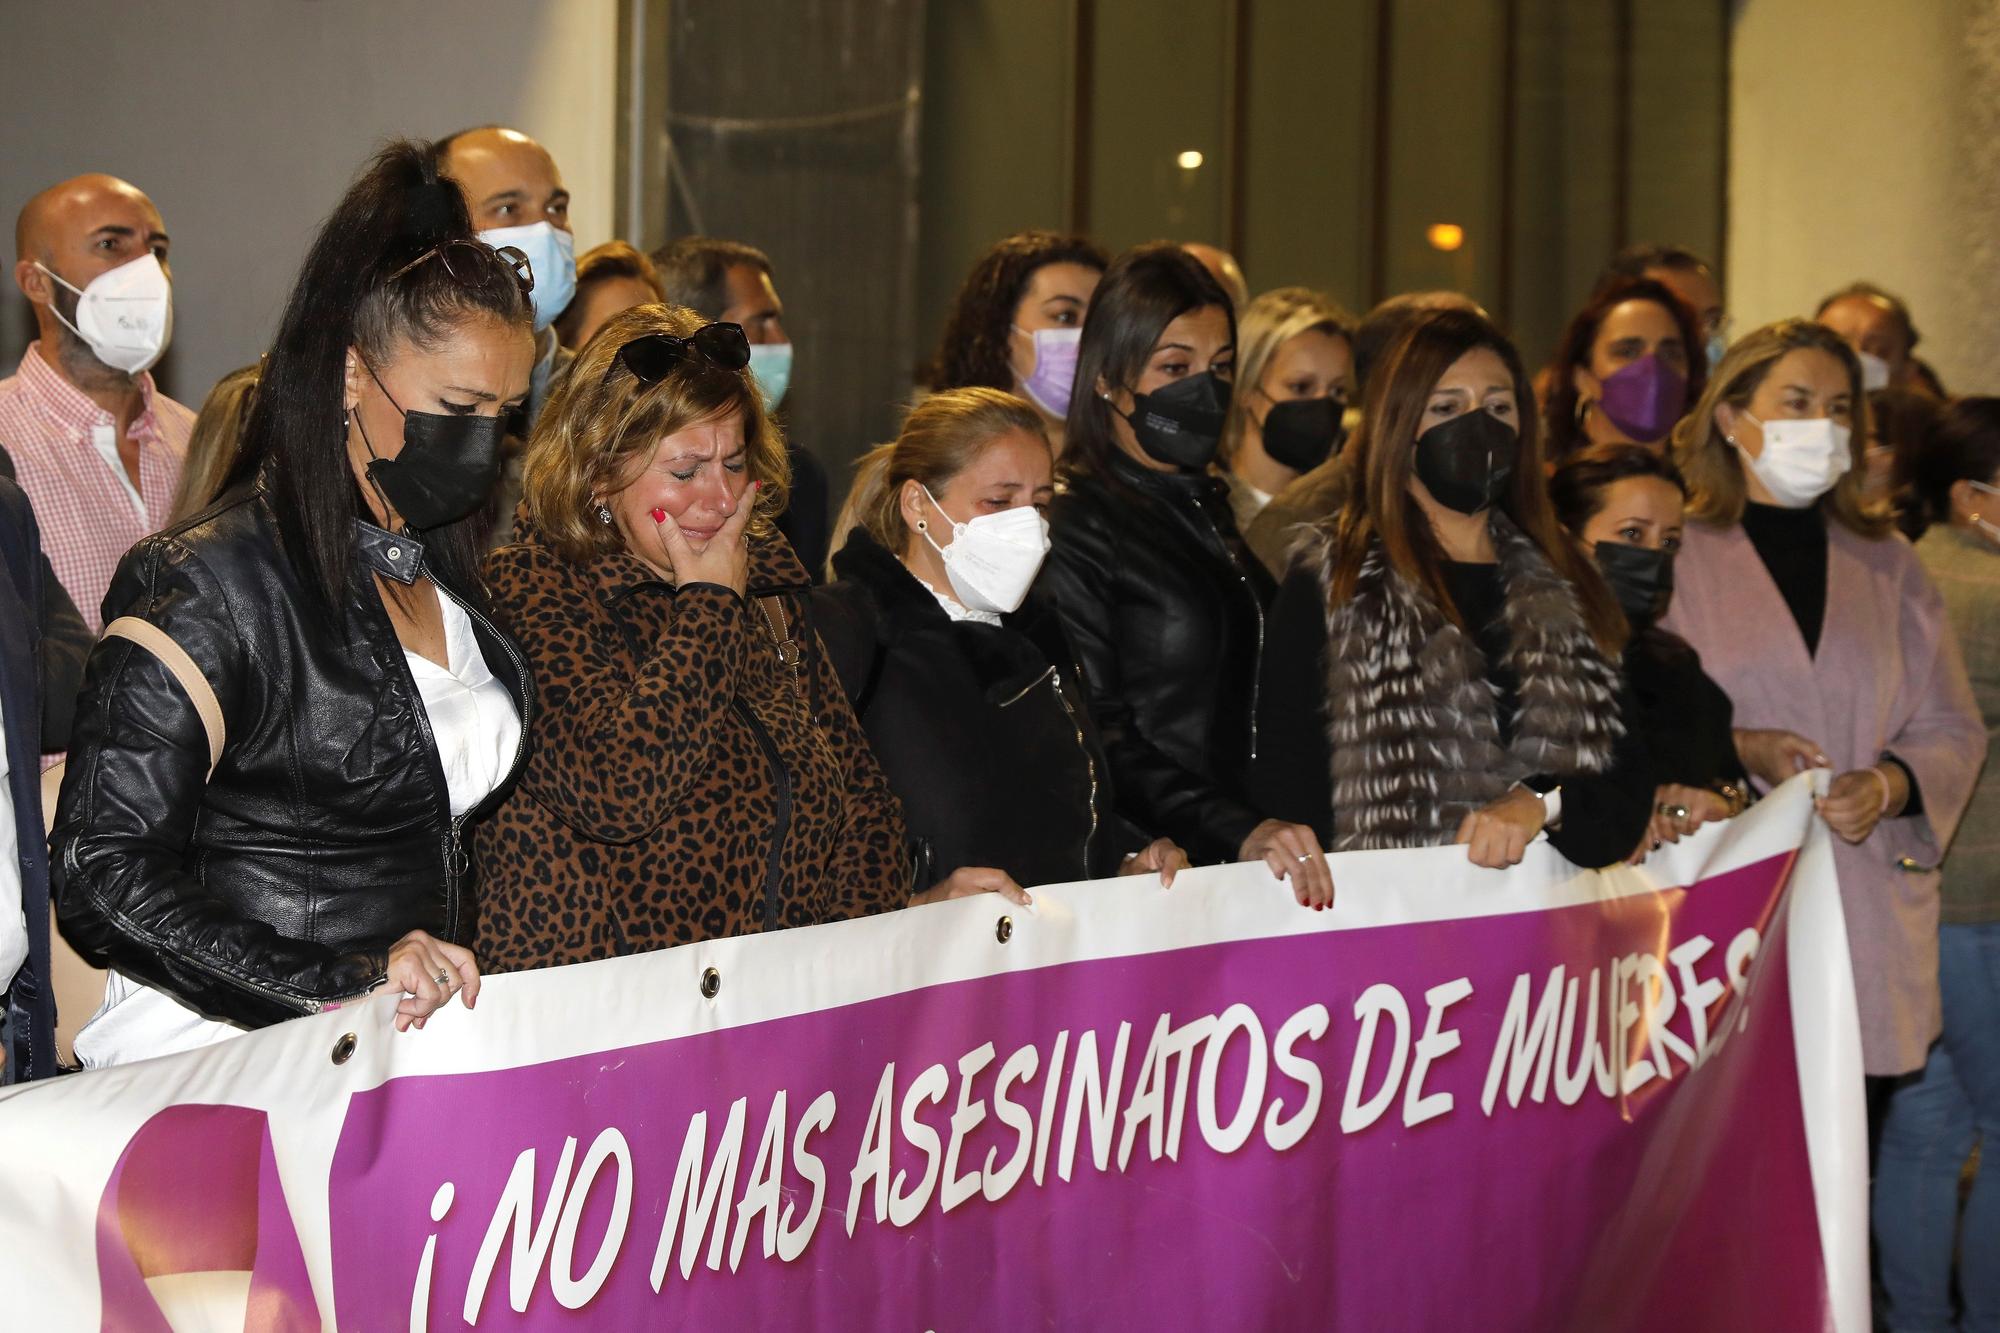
<point x="1020" y="1068"/>
<point x="692" y="1204"/>
<point x="1228" y="1138"/>
<point x="511" y="1222"/>
<point x="766" y="1176"/>
<point x="1539" y="1042"/>
<point x="1435" y="1042"/>
<point x="1310" y="1022"/>
<point x="931" y="1086"/>
<point x="792" y="1241"/>
<point x="1379" y="999"/>
<point x="1086" y="1085"/>
<point x="965" y="1119"/>
<point x="872" y="1164"/>
<point x="572" y="1292"/>
<point x="1527" y="1048"/>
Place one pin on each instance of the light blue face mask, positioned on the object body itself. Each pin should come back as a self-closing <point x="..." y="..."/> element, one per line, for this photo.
<point x="771" y="367"/>
<point x="551" y="259"/>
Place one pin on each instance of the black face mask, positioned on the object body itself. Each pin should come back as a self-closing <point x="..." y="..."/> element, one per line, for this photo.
<point x="1181" y="424"/>
<point x="1467" y="462"/>
<point x="448" y="467"/>
<point x="1302" y="433"/>
<point x="1641" y="580"/>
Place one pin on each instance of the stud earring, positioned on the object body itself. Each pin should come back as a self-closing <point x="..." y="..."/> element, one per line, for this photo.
<point x="1731" y="439"/>
<point x="923" y="525"/>
<point x="603" y="515"/>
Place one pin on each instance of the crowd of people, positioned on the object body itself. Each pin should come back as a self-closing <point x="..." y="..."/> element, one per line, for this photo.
<point x="493" y="618"/>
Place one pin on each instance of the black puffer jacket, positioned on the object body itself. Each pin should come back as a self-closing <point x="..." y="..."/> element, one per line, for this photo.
<point x="1165" y="607"/>
<point x="325" y="834"/>
<point x="982" y="730"/>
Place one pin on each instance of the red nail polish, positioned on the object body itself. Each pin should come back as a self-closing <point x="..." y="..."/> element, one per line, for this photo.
<point x="659" y="516"/>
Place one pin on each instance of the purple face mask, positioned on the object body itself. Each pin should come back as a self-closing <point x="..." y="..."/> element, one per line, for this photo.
<point x="1644" y="398"/>
<point x="1054" y="376"/>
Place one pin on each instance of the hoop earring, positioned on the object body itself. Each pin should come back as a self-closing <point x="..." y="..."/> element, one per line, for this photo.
<point x="1583" y="406"/>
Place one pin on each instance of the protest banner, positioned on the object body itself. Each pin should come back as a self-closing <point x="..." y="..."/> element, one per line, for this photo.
<point x="1532" y="1099"/>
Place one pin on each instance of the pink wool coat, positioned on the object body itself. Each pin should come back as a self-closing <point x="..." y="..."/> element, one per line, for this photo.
<point x="1887" y="678"/>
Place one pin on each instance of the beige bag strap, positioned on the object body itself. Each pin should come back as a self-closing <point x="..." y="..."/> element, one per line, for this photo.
<point x="172" y="656"/>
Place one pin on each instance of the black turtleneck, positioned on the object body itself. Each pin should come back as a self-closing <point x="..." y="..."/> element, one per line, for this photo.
<point x="1792" y="545"/>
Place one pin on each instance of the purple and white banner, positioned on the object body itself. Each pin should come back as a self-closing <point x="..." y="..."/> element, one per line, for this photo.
<point x="1534" y="1099"/>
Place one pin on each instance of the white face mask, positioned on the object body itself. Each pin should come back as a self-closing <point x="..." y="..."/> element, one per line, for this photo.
<point x="1802" y="459"/>
<point x="126" y="314"/>
<point x="551" y="256"/>
<point x="1874" y="372"/>
<point x="1986" y="525"/>
<point x="993" y="559"/>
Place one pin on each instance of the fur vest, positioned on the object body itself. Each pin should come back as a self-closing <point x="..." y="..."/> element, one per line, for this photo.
<point x="1412" y="719"/>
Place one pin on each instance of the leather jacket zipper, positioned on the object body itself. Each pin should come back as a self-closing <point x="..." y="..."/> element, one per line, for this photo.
<point x="456" y="861"/>
<point x="783" y="824"/>
<point x="1256" y="605"/>
<point x="1054" y="678"/>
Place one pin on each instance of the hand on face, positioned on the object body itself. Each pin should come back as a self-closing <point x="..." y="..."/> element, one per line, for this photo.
<point x="686" y="511"/>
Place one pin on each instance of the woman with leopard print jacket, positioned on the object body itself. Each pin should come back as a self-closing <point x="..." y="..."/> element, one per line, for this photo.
<point x="695" y="769"/>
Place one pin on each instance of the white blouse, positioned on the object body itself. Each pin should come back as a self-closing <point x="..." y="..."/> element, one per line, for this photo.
<point x="472" y="716"/>
<point x="476" y="729"/>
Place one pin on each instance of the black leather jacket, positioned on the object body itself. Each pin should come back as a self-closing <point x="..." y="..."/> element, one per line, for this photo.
<point x="1165" y="608"/>
<point x="982" y="729"/>
<point x="325" y="834"/>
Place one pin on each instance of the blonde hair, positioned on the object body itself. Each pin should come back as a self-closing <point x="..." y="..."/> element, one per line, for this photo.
<point x="1267" y="324"/>
<point x="215" y="442"/>
<point x="942" y="436"/>
<point x="602" y="423"/>
<point x="1714" y="471"/>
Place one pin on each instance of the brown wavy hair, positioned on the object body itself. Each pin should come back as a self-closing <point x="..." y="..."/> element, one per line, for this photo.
<point x="602" y="424"/>
<point x="972" y="350"/>
<point x="1381" y="509"/>
<point x="1562" y="418"/>
<point x="1714" y="472"/>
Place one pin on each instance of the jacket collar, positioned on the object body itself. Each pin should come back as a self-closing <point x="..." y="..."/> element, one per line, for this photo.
<point x="1004" y="659"/>
<point x="1172" y="487"/>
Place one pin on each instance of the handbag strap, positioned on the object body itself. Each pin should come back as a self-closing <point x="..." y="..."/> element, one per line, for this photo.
<point x="172" y="656"/>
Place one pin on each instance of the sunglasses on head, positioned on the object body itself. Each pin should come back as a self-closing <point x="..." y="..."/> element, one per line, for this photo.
<point x="469" y="252"/>
<point x="651" y="356"/>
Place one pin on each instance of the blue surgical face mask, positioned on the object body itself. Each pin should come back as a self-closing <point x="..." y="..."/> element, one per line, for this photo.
<point x="551" y="256"/>
<point x="771" y="367"/>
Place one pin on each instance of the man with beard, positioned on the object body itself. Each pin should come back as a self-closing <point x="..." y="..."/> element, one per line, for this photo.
<point x="96" y="447"/>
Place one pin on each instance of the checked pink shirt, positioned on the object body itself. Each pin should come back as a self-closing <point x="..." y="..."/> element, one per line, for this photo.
<point x="84" y="507"/>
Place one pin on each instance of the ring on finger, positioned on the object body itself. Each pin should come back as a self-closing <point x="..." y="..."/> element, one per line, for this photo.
<point x="444" y="978"/>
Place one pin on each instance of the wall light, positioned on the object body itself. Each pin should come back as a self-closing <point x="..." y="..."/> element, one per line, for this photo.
<point x="1445" y="235"/>
<point x="1189" y="160"/>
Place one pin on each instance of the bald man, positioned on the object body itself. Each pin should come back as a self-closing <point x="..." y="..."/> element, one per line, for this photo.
<point x="1222" y="266"/>
<point x="94" y="444"/>
<point x="516" y="196"/>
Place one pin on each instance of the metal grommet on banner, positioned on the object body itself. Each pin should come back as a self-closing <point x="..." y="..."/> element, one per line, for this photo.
<point x="711" y="983"/>
<point x="343" y="1049"/>
<point x="1005" y="930"/>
